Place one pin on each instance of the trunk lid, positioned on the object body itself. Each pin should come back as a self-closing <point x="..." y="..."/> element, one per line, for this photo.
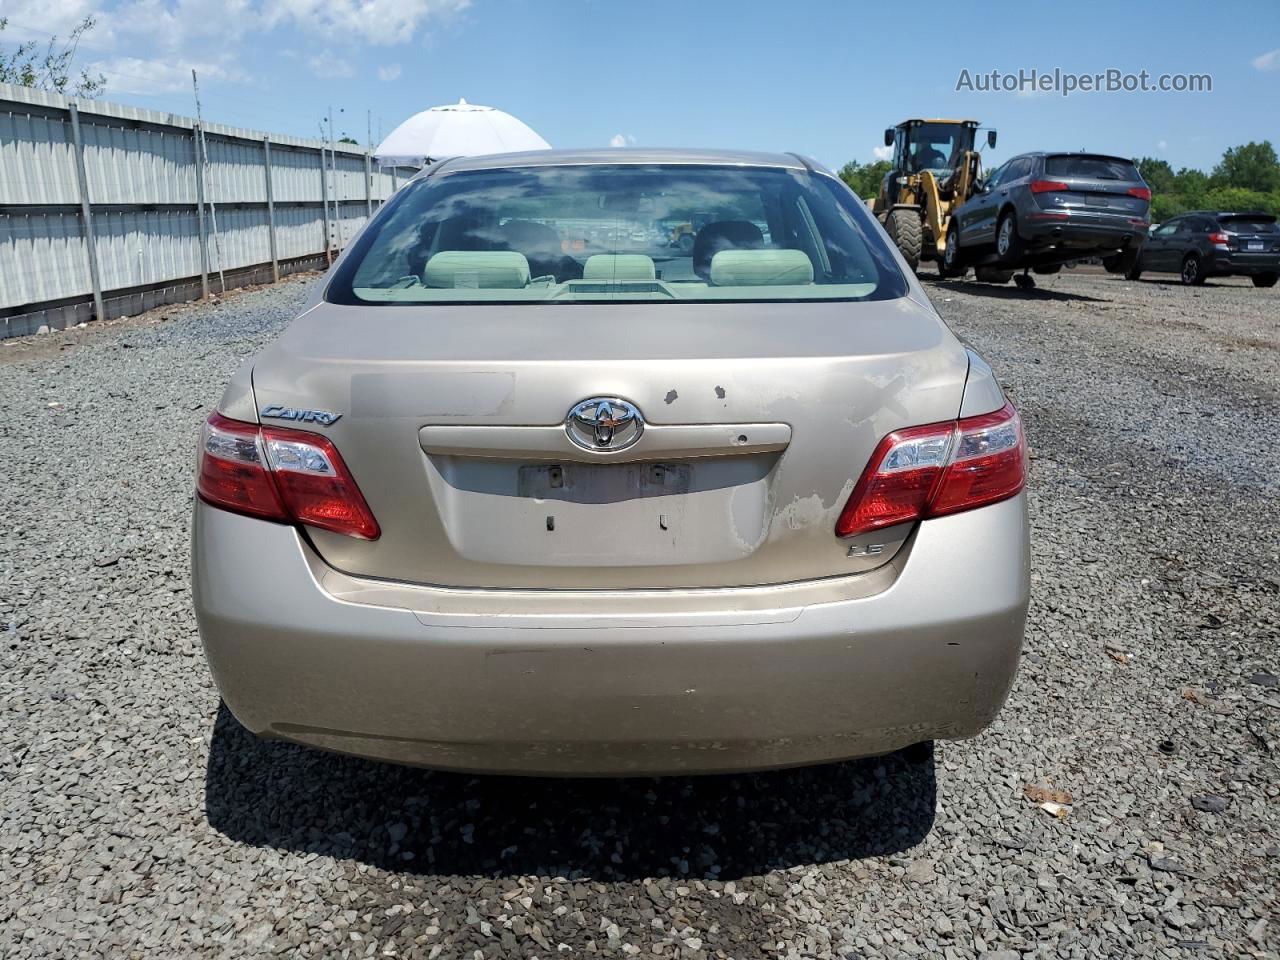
<point x="759" y="418"/>
<point x="1251" y="233"/>
<point x="1095" y="185"/>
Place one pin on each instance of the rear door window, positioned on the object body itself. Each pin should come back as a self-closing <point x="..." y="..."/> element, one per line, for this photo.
<point x="1016" y="170"/>
<point x="1085" y="165"/>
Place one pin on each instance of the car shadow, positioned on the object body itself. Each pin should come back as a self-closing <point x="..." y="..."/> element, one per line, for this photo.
<point x="1009" y="291"/>
<point x="284" y="796"/>
<point x="1173" y="280"/>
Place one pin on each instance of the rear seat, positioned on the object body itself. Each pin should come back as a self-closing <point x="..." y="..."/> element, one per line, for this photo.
<point x="619" y="266"/>
<point x="477" y="270"/>
<point x="760" y="268"/>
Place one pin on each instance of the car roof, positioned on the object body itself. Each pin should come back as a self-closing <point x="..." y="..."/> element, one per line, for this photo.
<point x="617" y="155"/>
<point x="1071" y="153"/>
<point x="1228" y="213"/>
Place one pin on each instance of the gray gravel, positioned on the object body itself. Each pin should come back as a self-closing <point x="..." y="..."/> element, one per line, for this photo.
<point x="137" y="819"/>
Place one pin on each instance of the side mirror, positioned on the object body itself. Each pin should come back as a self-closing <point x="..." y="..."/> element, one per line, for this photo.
<point x="991" y="139"/>
<point x="888" y="137"/>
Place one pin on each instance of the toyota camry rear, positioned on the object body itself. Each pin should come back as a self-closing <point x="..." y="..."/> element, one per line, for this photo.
<point x="527" y="487"/>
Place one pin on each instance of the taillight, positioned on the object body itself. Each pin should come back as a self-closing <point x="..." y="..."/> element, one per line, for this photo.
<point x="1221" y="239"/>
<point x="1142" y="193"/>
<point x="292" y="476"/>
<point x="1047" y="186"/>
<point x="938" y="469"/>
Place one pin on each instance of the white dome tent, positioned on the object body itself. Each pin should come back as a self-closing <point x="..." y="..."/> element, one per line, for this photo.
<point x="455" y="130"/>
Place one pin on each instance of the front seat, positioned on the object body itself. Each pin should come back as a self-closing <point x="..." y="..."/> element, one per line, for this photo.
<point x="541" y="246"/>
<point x="723" y="235"/>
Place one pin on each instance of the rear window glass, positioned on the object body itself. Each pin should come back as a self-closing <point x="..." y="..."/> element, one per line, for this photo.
<point x="1100" y="168"/>
<point x="1249" y="224"/>
<point x="591" y="233"/>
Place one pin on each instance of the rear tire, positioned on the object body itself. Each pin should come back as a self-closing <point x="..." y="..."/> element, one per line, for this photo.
<point x="1192" y="275"/>
<point x="1009" y="246"/>
<point x="1134" y="272"/>
<point x="949" y="265"/>
<point x="993" y="275"/>
<point x="907" y="233"/>
<point x="1264" y="279"/>
<point x="1025" y="281"/>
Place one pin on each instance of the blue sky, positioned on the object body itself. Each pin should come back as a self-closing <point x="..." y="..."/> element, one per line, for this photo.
<point x="818" y="77"/>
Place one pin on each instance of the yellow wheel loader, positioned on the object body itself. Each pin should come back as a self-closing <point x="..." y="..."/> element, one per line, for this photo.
<point x="935" y="169"/>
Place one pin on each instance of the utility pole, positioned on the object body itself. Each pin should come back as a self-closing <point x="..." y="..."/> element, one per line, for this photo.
<point x="204" y="165"/>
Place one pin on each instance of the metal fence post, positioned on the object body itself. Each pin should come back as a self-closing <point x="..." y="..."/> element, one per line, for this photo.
<point x="368" y="184"/>
<point x="271" y="210"/>
<point x="204" y="239"/>
<point x="86" y="213"/>
<point x="324" y="198"/>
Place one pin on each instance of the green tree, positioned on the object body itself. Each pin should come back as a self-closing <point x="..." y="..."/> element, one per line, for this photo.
<point x="1191" y="186"/>
<point x="1250" y="167"/>
<point x="52" y="69"/>
<point x="864" y="178"/>
<point x="1158" y="174"/>
<point x="1236" y="198"/>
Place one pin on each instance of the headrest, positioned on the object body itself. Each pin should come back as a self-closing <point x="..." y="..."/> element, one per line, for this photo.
<point x="529" y="236"/>
<point x="761" y="268"/>
<point x="723" y="235"/>
<point x="477" y="270"/>
<point x="619" y="266"/>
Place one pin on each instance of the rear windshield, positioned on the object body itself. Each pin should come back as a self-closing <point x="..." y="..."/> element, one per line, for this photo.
<point x="591" y="233"/>
<point x="1100" y="168"/>
<point x="1251" y="223"/>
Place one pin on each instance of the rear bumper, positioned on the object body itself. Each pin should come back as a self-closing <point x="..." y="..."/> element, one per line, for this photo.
<point x="673" y="681"/>
<point x="1091" y="232"/>
<point x="1241" y="263"/>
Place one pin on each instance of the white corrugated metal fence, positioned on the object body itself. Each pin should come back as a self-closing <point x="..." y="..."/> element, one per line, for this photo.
<point x="140" y="227"/>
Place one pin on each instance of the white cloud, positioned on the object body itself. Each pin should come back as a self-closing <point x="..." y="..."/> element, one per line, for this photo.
<point x="1162" y="145"/>
<point x="149" y="46"/>
<point x="882" y="153"/>
<point x="372" y="21"/>
<point x="621" y="140"/>
<point x="1267" y="61"/>
<point x="139" y="76"/>
<point x="39" y="19"/>
<point x="326" y="65"/>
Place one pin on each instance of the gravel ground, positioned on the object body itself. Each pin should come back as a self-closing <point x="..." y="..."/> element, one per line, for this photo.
<point x="137" y="819"/>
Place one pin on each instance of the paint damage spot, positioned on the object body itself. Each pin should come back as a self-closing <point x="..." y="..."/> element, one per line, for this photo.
<point x="671" y="396"/>
<point x="720" y="392"/>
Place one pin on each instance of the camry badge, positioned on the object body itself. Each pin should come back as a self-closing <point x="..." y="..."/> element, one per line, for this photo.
<point x="604" y="424"/>
<point x="322" y="417"/>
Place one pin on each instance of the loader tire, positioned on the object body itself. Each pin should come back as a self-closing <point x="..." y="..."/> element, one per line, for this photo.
<point x="907" y="234"/>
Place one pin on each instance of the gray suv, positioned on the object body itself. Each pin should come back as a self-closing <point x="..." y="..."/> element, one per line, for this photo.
<point x="1205" y="244"/>
<point x="1041" y="210"/>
